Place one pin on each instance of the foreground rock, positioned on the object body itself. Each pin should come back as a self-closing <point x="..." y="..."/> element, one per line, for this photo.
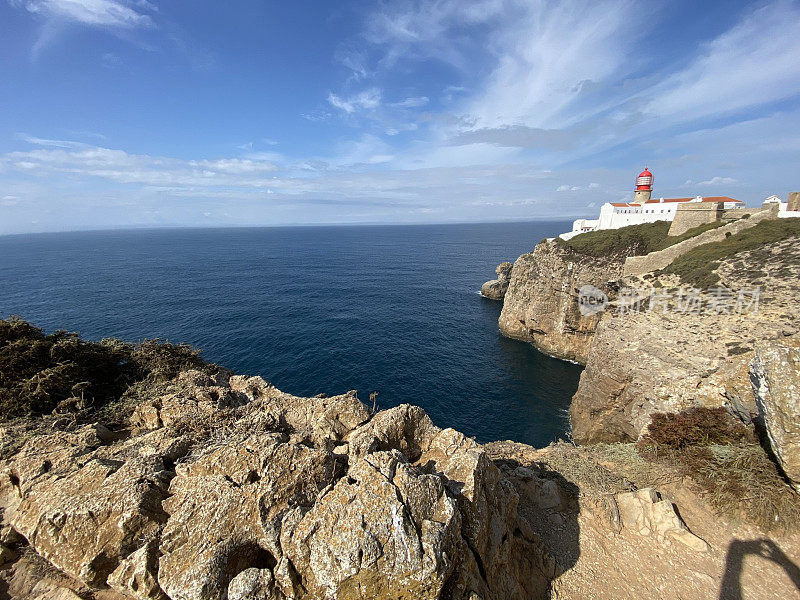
<point x="496" y="288"/>
<point x="776" y="383"/>
<point x="541" y="304"/>
<point x="229" y="488"/>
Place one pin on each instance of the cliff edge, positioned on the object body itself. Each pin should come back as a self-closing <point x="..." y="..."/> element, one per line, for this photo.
<point x="665" y="340"/>
<point x="160" y="476"/>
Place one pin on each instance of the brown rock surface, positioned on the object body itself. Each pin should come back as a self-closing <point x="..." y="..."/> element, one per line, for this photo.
<point x="541" y="304"/>
<point x="775" y="374"/>
<point x="228" y="488"/>
<point x="496" y="288"/>
<point x="656" y="361"/>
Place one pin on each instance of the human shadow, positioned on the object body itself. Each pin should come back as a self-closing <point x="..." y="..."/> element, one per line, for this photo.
<point x="731" y="587"/>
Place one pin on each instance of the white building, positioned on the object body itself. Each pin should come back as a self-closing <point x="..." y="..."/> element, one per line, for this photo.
<point x="783" y="208"/>
<point x="643" y="209"/>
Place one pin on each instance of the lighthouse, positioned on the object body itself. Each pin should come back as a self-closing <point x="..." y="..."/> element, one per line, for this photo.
<point x="644" y="187"/>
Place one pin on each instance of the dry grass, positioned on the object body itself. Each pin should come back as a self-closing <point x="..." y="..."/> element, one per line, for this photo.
<point x="698" y="266"/>
<point x="735" y="475"/>
<point x="578" y="466"/>
<point x="669" y="433"/>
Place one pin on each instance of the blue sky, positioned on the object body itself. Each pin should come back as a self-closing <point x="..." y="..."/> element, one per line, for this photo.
<point x="127" y="113"/>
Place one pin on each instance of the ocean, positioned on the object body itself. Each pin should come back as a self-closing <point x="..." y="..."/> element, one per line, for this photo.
<point x="392" y="309"/>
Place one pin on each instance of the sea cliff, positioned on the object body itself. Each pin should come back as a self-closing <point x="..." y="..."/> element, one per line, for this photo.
<point x="141" y="471"/>
<point x="647" y="350"/>
<point x="541" y="305"/>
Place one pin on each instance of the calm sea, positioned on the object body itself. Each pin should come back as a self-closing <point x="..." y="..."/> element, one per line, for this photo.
<point x="392" y="309"/>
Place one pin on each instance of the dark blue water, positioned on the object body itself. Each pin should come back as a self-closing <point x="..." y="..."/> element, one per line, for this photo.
<point x="392" y="309"/>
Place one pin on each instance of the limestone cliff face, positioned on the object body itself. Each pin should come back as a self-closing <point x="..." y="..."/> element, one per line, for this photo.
<point x="228" y="488"/>
<point x="541" y="303"/>
<point x="656" y="361"/>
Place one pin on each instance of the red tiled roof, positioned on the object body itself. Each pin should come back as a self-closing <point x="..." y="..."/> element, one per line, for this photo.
<point x="705" y="199"/>
<point x="659" y="201"/>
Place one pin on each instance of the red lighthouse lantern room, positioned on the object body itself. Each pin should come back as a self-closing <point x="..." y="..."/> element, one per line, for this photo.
<point x="644" y="182"/>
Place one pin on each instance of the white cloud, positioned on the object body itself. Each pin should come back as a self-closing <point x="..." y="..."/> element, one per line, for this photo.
<point x="411" y="102"/>
<point x="419" y="30"/>
<point x="103" y="13"/>
<point x="56" y="157"/>
<point x="719" y="181"/>
<point x="578" y="188"/>
<point x="754" y="63"/>
<point x="541" y="69"/>
<point x="366" y="100"/>
<point x="51" y="143"/>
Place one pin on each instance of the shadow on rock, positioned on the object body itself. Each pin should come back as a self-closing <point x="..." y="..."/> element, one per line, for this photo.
<point x="731" y="588"/>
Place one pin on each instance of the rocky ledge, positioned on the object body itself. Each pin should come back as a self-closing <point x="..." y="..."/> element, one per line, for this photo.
<point x="225" y="487"/>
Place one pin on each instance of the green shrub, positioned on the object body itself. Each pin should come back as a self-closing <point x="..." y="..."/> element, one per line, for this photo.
<point x="697" y="266"/>
<point x="39" y="371"/>
<point x="634" y="240"/>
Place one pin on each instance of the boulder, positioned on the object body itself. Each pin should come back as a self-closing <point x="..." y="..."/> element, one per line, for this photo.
<point x="775" y="374"/>
<point x="646" y="513"/>
<point x="136" y="575"/>
<point x="495" y="289"/>
<point x="386" y="530"/>
<point x="226" y="509"/>
<point x="491" y="562"/>
<point x="254" y="584"/>
<point x="81" y="508"/>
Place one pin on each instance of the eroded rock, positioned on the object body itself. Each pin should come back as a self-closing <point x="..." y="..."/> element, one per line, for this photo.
<point x="229" y="488"/>
<point x="775" y="373"/>
<point x="226" y="508"/>
<point x="83" y="509"/>
<point x="646" y="513"/>
<point x="541" y="306"/>
<point x="495" y="289"/>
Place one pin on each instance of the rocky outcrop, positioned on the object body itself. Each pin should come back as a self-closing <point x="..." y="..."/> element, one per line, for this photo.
<point x="662" y="358"/>
<point x="229" y="488"/>
<point x="496" y="288"/>
<point x="647" y="513"/>
<point x="775" y="374"/>
<point x="541" y="304"/>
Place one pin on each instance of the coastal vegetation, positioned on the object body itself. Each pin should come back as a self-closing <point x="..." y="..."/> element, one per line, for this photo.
<point x="698" y="266"/>
<point x="634" y="240"/>
<point x="41" y="373"/>
<point x="725" y="460"/>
